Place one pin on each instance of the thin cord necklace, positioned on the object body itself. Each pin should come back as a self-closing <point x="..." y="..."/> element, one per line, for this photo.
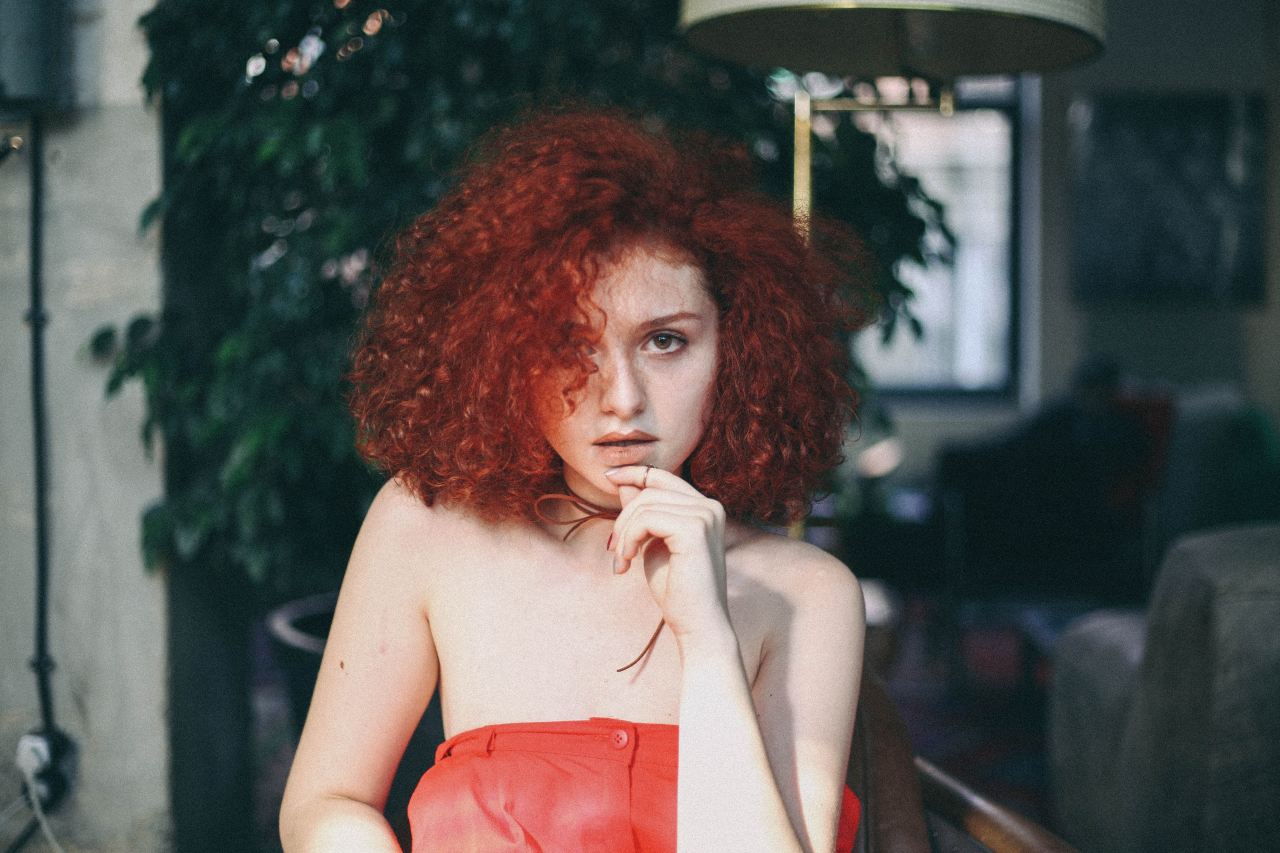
<point x="590" y="511"/>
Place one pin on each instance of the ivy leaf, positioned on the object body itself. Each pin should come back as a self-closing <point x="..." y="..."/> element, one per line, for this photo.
<point x="189" y="534"/>
<point x="102" y="346"/>
<point x="157" y="536"/>
<point x="152" y="212"/>
<point x="140" y="331"/>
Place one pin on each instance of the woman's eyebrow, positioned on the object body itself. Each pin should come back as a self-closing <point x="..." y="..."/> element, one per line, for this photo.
<point x="670" y="318"/>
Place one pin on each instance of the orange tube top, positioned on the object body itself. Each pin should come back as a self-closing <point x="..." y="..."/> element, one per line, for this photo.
<point x="601" y="784"/>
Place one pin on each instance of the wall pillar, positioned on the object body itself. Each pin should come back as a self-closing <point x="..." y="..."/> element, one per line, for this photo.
<point x="107" y="616"/>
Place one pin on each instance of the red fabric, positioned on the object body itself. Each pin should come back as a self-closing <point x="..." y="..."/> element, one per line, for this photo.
<point x="576" y="785"/>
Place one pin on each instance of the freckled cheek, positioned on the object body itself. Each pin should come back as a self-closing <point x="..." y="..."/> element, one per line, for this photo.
<point x="704" y="407"/>
<point x="702" y="392"/>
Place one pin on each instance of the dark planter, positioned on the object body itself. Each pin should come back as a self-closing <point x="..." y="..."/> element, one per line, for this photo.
<point x="298" y="630"/>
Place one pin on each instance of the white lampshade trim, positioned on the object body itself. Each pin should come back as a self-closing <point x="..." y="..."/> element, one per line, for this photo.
<point x="889" y="37"/>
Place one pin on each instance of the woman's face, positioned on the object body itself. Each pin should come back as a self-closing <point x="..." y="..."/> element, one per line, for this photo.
<point x="649" y="399"/>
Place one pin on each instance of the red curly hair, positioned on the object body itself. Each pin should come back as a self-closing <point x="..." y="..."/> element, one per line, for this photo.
<point x="483" y="303"/>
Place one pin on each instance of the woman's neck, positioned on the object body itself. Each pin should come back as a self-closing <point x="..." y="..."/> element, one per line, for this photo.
<point x="583" y="525"/>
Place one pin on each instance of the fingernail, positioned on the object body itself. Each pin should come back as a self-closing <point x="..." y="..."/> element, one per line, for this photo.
<point x="608" y="546"/>
<point x="617" y="561"/>
<point x="609" y="472"/>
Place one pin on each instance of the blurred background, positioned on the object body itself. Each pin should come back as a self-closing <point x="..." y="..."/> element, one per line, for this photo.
<point x="1074" y="371"/>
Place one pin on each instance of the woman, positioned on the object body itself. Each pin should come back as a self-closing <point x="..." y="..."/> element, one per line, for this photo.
<point x="589" y="370"/>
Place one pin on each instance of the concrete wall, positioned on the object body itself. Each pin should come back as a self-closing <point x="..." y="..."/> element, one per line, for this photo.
<point x="1155" y="46"/>
<point x="107" y="616"/>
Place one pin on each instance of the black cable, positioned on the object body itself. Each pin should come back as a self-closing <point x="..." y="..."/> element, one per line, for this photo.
<point x="23" y="837"/>
<point x="42" y="663"/>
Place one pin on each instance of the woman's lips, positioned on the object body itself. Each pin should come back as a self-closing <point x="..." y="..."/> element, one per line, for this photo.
<point x="624" y="452"/>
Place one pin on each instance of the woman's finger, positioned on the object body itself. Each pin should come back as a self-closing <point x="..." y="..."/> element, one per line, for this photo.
<point x="646" y="476"/>
<point x="646" y="497"/>
<point x="675" y="523"/>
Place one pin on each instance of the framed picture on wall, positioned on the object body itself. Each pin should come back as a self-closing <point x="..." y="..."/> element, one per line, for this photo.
<point x="1168" y="198"/>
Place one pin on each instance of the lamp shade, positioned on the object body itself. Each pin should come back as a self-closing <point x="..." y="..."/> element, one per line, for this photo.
<point x="870" y="38"/>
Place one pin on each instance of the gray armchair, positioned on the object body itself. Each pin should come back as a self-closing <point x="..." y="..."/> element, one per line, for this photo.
<point x="1164" y="726"/>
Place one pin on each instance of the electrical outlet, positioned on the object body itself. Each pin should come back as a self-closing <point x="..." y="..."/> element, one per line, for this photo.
<point x="47" y="760"/>
<point x="34" y="753"/>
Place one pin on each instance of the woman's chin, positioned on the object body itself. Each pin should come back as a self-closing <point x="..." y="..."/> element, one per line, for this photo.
<point x="596" y="488"/>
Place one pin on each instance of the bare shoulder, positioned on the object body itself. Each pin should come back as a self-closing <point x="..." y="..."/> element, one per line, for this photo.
<point x="405" y="520"/>
<point x="795" y="569"/>
<point x="395" y="507"/>
<point x="402" y="539"/>
<point x="793" y="588"/>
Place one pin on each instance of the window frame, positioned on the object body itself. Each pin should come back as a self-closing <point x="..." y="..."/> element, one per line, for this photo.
<point x="1014" y="106"/>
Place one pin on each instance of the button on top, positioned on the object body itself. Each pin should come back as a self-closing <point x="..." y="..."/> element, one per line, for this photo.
<point x="619" y="738"/>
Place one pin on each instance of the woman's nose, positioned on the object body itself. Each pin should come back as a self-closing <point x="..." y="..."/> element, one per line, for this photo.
<point x="621" y="388"/>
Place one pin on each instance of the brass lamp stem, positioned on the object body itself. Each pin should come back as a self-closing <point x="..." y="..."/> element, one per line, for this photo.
<point x="801" y="201"/>
<point x="802" y="164"/>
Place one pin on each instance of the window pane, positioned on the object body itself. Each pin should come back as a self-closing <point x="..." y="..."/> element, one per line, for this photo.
<point x="965" y="163"/>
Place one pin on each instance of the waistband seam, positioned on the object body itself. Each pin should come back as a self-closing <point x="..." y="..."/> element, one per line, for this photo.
<point x="620" y="758"/>
<point x="499" y="738"/>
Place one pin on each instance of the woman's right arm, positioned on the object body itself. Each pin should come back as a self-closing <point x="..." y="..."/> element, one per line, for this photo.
<point x="377" y="675"/>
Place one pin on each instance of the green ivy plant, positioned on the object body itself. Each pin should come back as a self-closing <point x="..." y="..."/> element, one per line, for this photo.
<point x="299" y="135"/>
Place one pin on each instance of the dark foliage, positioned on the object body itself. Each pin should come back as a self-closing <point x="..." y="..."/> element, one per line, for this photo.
<point x="299" y="135"/>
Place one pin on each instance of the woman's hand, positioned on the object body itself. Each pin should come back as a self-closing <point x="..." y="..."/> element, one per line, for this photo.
<point x="680" y="533"/>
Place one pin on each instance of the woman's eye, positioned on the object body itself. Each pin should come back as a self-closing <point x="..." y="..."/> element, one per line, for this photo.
<point x="666" y="341"/>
